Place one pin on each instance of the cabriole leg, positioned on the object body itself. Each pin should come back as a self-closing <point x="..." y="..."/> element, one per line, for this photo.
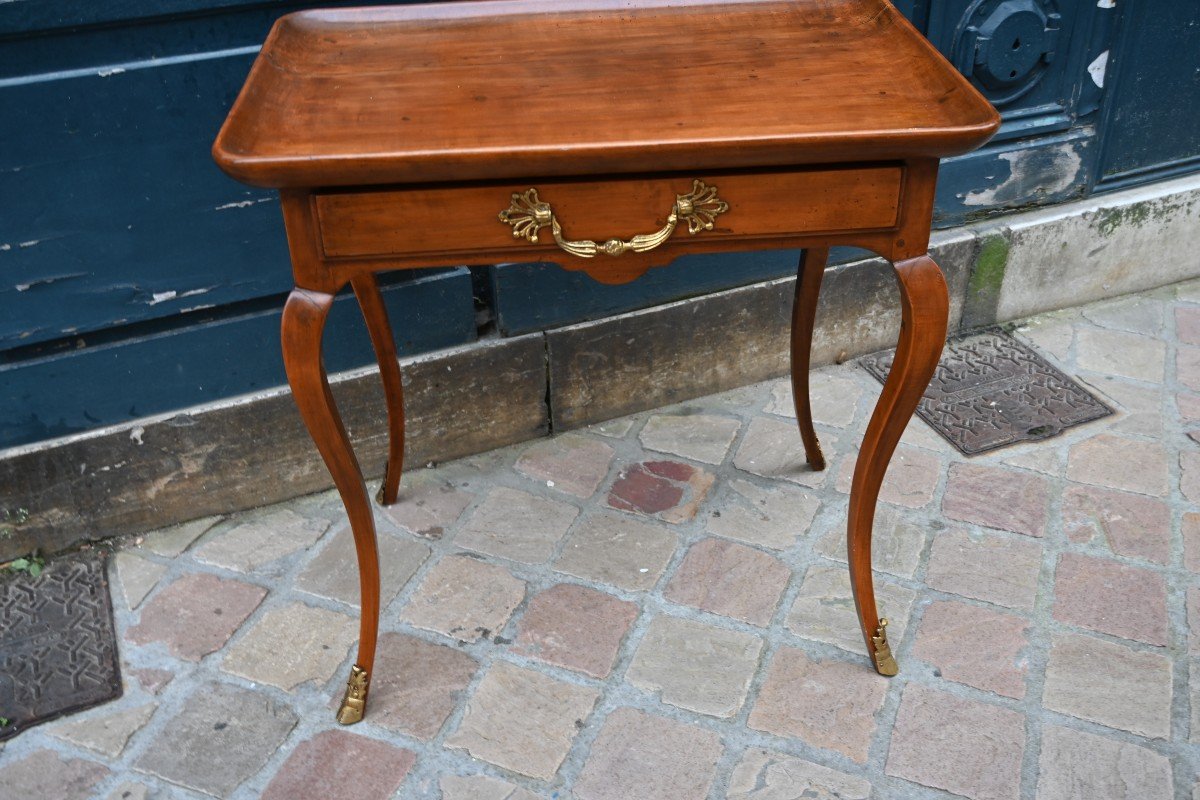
<point x="804" y="309"/>
<point x="366" y="289"/>
<point x="303" y="323"/>
<point x="925" y="308"/>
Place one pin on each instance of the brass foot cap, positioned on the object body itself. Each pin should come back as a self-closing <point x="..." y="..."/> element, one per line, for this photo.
<point x="354" y="702"/>
<point x="885" y="663"/>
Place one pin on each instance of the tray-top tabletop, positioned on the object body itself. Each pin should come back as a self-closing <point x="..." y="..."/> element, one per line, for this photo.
<point x="537" y="88"/>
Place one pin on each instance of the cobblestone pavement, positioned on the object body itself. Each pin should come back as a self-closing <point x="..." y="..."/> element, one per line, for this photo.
<point x="658" y="608"/>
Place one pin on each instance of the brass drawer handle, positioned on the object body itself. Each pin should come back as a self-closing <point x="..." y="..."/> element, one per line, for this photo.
<point x="527" y="214"/>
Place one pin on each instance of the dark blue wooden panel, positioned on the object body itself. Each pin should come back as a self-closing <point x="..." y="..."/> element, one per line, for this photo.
<point x="1152" y="123"/>
<point x="76" y="390"/>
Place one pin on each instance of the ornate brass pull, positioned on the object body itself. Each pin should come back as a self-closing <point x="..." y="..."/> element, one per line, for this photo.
<point x="527" y="214"/>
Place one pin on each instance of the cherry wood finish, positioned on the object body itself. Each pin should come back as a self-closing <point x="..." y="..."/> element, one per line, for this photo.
<point x="398" y="134"/>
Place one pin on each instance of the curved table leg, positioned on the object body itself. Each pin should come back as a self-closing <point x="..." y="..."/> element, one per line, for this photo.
<point x="925" y="307"/>
<point x="303" y="323"/>
<point x="804" y="309"/>
<point x="366" y="289"/>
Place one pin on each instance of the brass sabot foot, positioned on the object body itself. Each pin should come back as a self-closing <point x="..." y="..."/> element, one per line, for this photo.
<point x="885" y="664"/>
<point x="354" y="703"/>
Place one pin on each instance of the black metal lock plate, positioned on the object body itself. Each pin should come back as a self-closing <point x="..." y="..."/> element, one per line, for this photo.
<point x="1006" y="45"/>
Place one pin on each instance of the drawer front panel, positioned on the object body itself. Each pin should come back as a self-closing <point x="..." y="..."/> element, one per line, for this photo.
<point x="465" y="219"/>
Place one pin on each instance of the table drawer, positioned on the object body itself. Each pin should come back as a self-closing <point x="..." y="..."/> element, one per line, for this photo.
<point x="746" y="205"/>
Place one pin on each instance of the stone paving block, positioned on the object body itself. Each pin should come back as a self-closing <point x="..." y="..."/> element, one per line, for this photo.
<point x="575" y="627"/>
<point x="464" y="598"/>
<point x="1130" y="525"/>
<point x="415" y="685"/>
<point x="997" y="497"/>
<point x="827" y="704"/>
<point x="1036" y="457"/>
<point x="695" y="666"/>
<point x="1052" y="333"/>
<point x="569" y="463"/>
<point x="984" y="567"/>
<point x="773" y="518"/>
<point x="769" y="775"/>
<point x="196" y="615"/>
<point x="1119" y="463"/>
<point x="1193" y="619"/>
<point x="1187" y="324"/>
<point x="668" y="490"/>
<point x="136" y="576"/>
<point x="964" y="746"/>
<point x="910" y="481"/>
<point x="481" y="787"/>
<point x="976" y="646"/>
<point x="292" y="645"/>
<point x="1110" y="684"/>
<point x="643" y="756"/>
<point x="1076" y="765"/>
<point x="896" y="543"/>
<point x="833" y="397"/>
<point x="1187" y="367"/>
<point x="1128" y="355"/>
<point x="1140" y="409"/>
<point x="523" y="720"/>
<point x="1191" y="541"/>
<point x="1189" y="477"/>
<point x="152" y="680"/>
<point x="333" y="572"/>
<point x="428" y="505"/>
<point x="1136" y="314"/>
<point x="824" y="609"/>
<point x="44" y="773"/>
<point x="517" y="525"/>
<point x="261" y="540"/>
<point x="106" y="734"/>
<point x="700" y="437"/>
<point x="618" y="551"/>
<point x="1109" y="597"/>
<point x="221" y="737"/>
<point x="729" y="579"/>
<point x="338" y="765"/>
<point x="1189" y="406"/>
<point x="172" y="541"/>
<point x="772" y="448"/>
<point x="130" y="791"/>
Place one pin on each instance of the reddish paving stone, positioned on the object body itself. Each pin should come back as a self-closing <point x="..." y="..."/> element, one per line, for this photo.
<point x="1130" y="524"/>
<point x="964" y="746"/>
<point x="669" y="490"/>
<point x="1077" y="765"/>
<point x="415" y="685"/>
<point x="989" y="568"/>
<point x="1189" y="475"/>
<point x="1189" y="407"/>
<point x="1109" y="683"/>
<point x="1105" y="596"/>
<point x="337" y="765"/>
<point x="829" y="704"/>
<point x="1187" y="324"/>
<point x="1187" y="367"/>
<point x="575" y="627"/>
<point x="994" y="661"/>
<point x="196" y="614"/>
<point x="910" y="481"/>
<point x="152" y="680"/>
<point x="44" y="773"/>
<point x="639" y="755"/>
<point x="570" y="463"/>
<point x="1119" y="463"/>
<point x="729" y="579"/>
<point x="465" y="598"/>
<point x="428" y="506"/>
<point x="997" y="498"/>
<point x="1191" y="541"/>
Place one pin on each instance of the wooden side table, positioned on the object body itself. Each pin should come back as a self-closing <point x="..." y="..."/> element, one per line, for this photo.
<point x="610" y="137"/>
